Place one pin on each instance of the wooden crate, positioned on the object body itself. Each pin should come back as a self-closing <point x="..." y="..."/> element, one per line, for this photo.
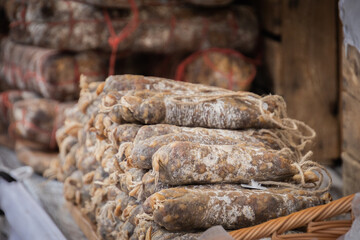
<point x="302" y="59"/>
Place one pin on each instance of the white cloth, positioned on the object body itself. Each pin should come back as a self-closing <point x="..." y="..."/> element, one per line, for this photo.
<point x="26" y="217"/>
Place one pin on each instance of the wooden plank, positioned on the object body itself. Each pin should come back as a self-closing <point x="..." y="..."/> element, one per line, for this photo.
<point x="351" y="126"/>
<point x="308" y="79"/>
<point x="84" y="224"/>
<point x="270" y="14"/>
<point x="351" y="71"/>
<point x="351" y="176"/>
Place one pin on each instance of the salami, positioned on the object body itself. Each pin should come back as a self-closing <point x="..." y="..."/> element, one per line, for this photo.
<point x="77" y="27"/>
<point x="107" y="159"/>
<point x="106" y="221"/>
<point x="72" y="187"/>
<point x="121" y="109"/>
<point x="7" y="100"/>
<point x="125" y="230"/>
<point x="127" y="82"/>
<point x="38" y="120"/>
<point x="98" y="195"/>
<point x="149" y="131"/>
<point x="88" y="95"/>
<point x="42" y="70"/>
<point x="239" y="110"/>
<point x="118" y="134"/>
<point x="85" y="160"/>
<point x="150" y="185"/>
<point x="68" y="163"/>
<point x="224" y="68"/>
<point x="149" y="230"/>
<point x="272" y="138"/>
<point x="66" y="146"/>
<point x="122" y="201"/>
<point x="130" y="181"/>
<point x="130" y="211"/>
<point x="142" y="151"/>
<point x="200" y="207"/>
<point x="180" y="163"/>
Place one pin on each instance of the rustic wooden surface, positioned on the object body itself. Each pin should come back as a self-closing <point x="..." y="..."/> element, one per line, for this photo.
<point x="351" y="176"/>
<point x="308" y="79"/>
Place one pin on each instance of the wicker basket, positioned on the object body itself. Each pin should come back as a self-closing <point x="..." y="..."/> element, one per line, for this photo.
<point x="312" y="218"/>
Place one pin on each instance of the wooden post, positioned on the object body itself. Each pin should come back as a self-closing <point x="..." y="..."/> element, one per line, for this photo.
<point x="350" y="95"/>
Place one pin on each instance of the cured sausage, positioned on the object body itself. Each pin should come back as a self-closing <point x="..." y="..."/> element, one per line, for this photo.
<point x="201" y="207"/>
<point x="180" y="163"/>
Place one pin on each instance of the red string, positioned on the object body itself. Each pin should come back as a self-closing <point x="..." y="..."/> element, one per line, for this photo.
<point x="5" y="97"/>
<point x="180" y="71"/>
<point x="27" y="76"/>
<point x="13" y="126"/>
<point x="23" y="122"/>
<point x="115" y="39"/>
<point x="5" y="101"/>
<point x="17" y="72"/>
<point x="228" y="76"/>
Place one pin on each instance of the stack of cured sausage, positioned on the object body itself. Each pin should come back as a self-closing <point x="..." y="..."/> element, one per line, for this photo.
<point x="132" y="27"/>
<point x="151" y="158"/>
<point x="38" y="84"/>
<point x="51" y="43"/>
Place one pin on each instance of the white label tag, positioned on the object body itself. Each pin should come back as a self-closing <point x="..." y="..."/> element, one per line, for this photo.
<point x="254" y="185"/>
